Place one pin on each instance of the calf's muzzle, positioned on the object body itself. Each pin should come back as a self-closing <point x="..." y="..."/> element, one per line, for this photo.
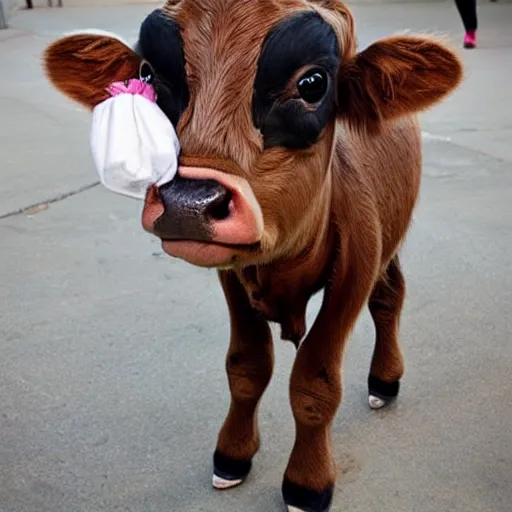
<point x="203" y="205"/>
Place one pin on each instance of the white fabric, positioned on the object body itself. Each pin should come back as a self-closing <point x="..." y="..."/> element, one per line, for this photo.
<point x="134" y="145"/>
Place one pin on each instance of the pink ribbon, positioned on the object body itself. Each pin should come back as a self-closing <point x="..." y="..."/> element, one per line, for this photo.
<point x="133" y="86"/>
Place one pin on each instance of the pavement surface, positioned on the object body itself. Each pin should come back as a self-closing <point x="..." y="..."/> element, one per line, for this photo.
<point x="112" y="384"/>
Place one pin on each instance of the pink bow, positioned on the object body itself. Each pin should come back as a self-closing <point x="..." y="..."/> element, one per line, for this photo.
<point x="133" y="86"/>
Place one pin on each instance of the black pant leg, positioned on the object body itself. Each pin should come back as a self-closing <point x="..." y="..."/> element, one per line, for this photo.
<point x="467" y="11"/>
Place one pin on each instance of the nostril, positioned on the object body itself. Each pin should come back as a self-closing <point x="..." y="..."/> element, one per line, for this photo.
<point x="190" y="208"/>
<point x="219" y="209"/>
<point x="205" y="199"/>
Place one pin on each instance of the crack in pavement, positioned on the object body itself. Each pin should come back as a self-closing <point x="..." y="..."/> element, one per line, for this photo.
<point x="55" y="199"/>
<point x="449" y="140"/>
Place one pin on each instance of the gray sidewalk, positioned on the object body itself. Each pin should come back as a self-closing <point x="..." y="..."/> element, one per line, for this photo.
<point x="112" y="384"/>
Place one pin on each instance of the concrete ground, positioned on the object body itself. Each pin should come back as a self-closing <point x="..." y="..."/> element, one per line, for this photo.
<point x="112" y="386"/>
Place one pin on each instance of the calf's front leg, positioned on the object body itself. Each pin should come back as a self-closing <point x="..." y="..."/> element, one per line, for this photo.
<point x="249" y="365"/>
<point x="316" y="384"/>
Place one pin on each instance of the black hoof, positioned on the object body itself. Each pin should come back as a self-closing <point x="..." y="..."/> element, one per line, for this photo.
<point x="228" y="472"/>
<point x="299" y="499"/>
<point x="381" y="393"/>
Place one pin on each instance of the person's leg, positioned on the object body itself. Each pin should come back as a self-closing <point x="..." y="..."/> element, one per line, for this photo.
<point x="467" y="11"/>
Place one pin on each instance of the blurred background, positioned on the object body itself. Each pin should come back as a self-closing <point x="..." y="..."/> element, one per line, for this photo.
<point x="112" y="383"/>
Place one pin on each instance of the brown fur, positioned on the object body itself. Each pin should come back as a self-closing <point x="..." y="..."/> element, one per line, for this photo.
<point x="335" y="215"/>
<point x="82" y="66"/>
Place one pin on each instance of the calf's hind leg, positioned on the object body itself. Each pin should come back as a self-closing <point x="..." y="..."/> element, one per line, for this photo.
<point x="387" y="366"/>
<point x="249" y="365"/>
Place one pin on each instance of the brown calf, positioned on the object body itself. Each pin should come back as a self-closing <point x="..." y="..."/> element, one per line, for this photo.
<point x="299" y="172"/>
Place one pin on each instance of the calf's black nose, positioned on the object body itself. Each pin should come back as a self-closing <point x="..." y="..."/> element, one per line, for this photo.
<point x="190" y="206"/>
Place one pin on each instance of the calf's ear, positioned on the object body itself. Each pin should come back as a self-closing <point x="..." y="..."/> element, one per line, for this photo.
<point x="82" y="66"/>
<point x="396" y="77"/>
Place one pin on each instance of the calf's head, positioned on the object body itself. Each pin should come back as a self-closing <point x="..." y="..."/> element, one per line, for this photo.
<point x="257" y="91"/>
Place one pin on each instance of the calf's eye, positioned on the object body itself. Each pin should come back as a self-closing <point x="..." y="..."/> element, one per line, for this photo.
<point x="313" y="85"/>
<point x="146" y="73"/>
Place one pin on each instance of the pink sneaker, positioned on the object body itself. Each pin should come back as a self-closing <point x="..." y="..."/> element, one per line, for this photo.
<point x="470" y="39"/>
